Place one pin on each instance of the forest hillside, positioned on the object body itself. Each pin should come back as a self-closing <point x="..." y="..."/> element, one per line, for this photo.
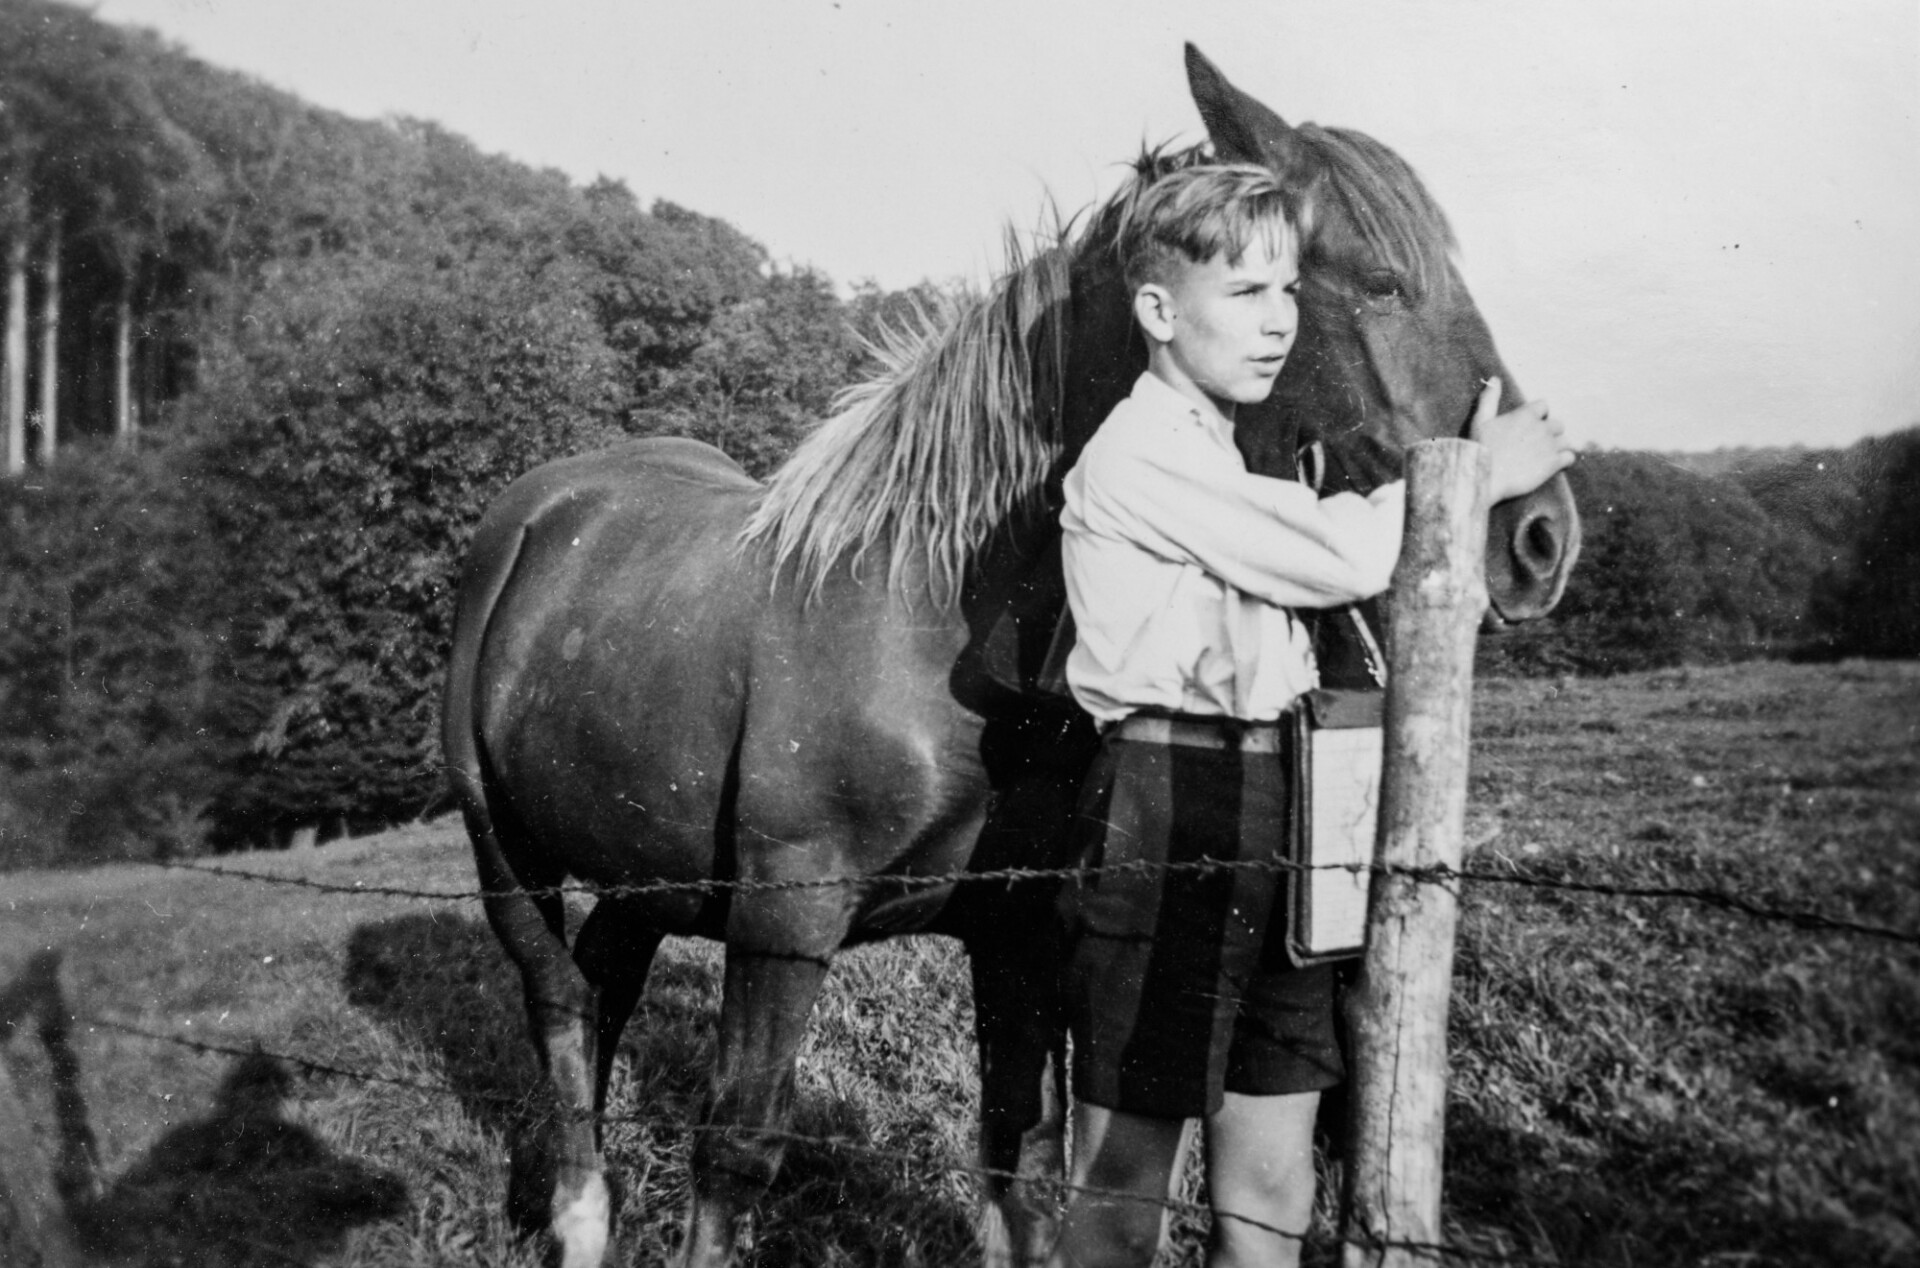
<point x="263" y="366"/>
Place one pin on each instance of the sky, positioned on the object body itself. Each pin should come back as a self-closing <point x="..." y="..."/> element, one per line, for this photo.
<point x="1690" y="224"/>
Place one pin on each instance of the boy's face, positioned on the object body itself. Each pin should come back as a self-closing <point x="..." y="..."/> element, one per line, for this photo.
<point x="1222" y="330"/>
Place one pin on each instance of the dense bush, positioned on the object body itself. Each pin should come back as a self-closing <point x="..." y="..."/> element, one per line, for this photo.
<point x="1870" y="606"/>
<point x="345" y="452"/>
<point x="1677" y="567"/>
<point x="375" y="327"/>
<point x="120" y="716"/>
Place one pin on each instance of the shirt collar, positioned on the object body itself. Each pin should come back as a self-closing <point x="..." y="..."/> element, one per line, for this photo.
<point x="1156" y="394"/>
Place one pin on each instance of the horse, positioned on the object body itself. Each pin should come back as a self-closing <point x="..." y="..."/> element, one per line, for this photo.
<point x="791" y="715"/>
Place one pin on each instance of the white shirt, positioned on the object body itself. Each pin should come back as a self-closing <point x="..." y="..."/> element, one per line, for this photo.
<point x="1181" y="565"/>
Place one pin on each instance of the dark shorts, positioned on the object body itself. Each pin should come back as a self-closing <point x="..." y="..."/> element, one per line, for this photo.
<point x="1179" y="986"/>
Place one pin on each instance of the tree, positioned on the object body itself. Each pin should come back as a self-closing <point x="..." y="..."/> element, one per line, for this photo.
<point x="348" y="444"/>
<point x="116" y="714"/>
<point x="1632" y="607"/>
<point x="1876" y="610"/>
<point x="768" y="366"/>
<point x="13" y="347"/>
<point x="352" y="335"/>
<point x="98" y="172"/>
<point x="659" y="279"/>
<point x="50" y="345"/>
<point x="1676" y="567"/>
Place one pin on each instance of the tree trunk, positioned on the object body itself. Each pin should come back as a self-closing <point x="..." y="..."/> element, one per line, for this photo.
<point x="126" y="422"/>
<point x="50" y="349"/>
<point x="14" y="353"/>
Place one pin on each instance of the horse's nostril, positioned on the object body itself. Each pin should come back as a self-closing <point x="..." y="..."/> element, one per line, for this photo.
<point x="1539" y="543"/>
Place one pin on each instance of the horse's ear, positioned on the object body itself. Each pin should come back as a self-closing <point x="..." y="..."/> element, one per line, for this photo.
<point x="1242" y="130"/>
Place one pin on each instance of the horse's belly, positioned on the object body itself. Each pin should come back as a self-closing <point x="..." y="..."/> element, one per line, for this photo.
<point x="882" y="787"/>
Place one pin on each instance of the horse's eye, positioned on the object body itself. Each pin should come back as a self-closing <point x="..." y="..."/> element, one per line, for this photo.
<point x="1381" y="283"/>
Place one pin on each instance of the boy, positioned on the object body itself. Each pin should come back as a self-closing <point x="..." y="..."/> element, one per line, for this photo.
<point x="1181" y="567"/>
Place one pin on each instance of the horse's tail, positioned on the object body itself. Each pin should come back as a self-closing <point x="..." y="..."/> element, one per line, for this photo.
<point x="567" y="1190"/>
<point x="490" y="565"/>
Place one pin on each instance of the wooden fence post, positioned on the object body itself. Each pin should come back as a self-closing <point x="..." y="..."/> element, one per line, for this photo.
<point x="1398" y="1009"/>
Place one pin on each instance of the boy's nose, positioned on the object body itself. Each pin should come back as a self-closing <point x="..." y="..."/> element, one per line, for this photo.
<point x="1281" y="318"/>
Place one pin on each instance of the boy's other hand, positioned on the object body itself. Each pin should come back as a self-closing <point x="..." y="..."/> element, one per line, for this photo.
<point x="1528" y="448"/>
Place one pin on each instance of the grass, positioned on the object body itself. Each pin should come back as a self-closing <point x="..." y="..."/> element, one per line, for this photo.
<point x="1649" y="1081"/>
<point x="1634" y="1081"/>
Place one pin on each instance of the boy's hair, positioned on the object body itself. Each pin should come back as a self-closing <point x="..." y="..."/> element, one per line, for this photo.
<point x="1193" y="214"/>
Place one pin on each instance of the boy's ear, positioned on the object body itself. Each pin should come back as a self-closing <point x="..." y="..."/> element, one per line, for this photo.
<point x="1242" y="130"/>
<point x="1153" y="312"/>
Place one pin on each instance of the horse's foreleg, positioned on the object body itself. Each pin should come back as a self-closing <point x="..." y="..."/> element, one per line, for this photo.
<point x="775" y="966"/>
<point x="556" y="1180"/>
<point x="1022" y="1085"/>
<point x="1015" y="946"/>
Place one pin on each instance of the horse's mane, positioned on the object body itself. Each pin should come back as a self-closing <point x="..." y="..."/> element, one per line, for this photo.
<point x="952" y="436"/>
<point x="959" y="427"/>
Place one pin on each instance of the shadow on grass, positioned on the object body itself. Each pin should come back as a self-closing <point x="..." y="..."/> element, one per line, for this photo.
<point x="442" y="984"/>
<point x="243" y="1186"/>
<point x="1504" y="1179"/>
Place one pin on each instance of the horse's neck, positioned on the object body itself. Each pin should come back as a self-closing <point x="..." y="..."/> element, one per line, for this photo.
<point x="1269" y="440"/>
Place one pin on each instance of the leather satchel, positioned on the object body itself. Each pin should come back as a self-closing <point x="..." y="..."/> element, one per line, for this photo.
<point x="1338" y="740"/>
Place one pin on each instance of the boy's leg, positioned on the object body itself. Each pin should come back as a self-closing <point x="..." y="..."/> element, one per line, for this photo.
<point x="1155" y="972"/>
<point x="1260" y="1165"/>
<point x="1125" y="1154"/>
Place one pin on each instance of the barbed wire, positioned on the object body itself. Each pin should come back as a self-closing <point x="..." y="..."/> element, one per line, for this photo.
<point x="1721" y="899"/>
<point x="784" y="1136"/>
<point x="1802" y="918"/>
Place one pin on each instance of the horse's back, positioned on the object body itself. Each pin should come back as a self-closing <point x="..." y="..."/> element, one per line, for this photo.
<point x="662" y="472"/>
<point x="651" y="465"/>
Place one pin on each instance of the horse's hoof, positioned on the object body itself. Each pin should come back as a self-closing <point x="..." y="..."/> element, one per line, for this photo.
<point x="715" y="1240"/>
<point x="580" y="1224"/>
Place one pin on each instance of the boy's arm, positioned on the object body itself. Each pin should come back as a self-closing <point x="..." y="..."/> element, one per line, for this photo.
<point x="1181" y="498"/>
<point x="1274" y="539"/>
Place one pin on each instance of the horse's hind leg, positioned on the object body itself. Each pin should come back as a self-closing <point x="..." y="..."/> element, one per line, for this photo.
<point x="556" y="1179"/>
<point x="615" y="951"/>
<point x="779" y="948"/>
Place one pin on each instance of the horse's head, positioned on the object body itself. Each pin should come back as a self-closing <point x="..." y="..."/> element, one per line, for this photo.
<point x="1391" y="349"/>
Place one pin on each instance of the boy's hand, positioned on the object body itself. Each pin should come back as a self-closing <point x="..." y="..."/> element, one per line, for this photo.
<point x="1527" y="447"/>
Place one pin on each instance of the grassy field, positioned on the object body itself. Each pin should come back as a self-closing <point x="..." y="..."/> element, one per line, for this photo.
<point x="1636" y="1081"/>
